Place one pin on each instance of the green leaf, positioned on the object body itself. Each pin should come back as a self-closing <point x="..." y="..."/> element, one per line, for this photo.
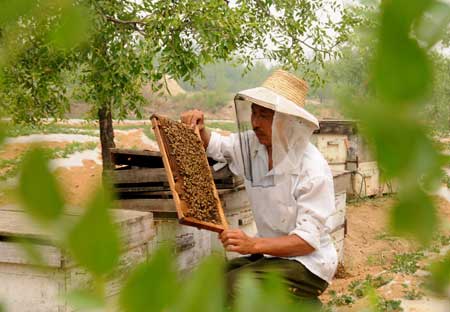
<point x="81" y="299"/>
<point x="414" y="214"/>
<point x="439" y="281"/>
<point x="2" y="133"/>
<point x="73" y="28"/>
<point x="270" y="294"/>
<point x="94" y="241"/>
<point x="152" y="286"/>
<point x="250" y="296"/>
<point x="195" y="296"/>
<point x="402" y="71"/>
<point x="12" y="10"/>
<point x="38" y="188"/>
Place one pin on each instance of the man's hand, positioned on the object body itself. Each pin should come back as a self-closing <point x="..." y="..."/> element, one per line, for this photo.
<point x="194" y="118"/>
<point x="237" y="241"/>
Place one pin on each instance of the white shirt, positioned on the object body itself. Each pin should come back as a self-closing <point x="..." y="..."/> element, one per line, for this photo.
<point x="297" y="203"/>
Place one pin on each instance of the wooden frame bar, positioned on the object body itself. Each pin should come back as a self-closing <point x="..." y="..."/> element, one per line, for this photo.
<point x="175" y="184"/>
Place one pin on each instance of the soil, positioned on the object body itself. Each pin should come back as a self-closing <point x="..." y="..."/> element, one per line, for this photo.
<point x="370" y="249"/>
<point x="192" y="171"/>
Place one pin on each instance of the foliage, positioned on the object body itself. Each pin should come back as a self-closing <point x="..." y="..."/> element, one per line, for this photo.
<point x="228" y="126"/>
<point x="210" y="101"/>
<point x="21" y="129"/>
<point x="389" y="305"/>
<point x="407" y="262"/>
<point x="389" y="114"/>
<point x="228" y="77"/>
<point x="439" y="280"/>
<point x="95" y="234"/>
<point x="359" y="288"/>
<point x="413" y="294"/>
<point x="46" y="203"/>
<point x="340" y="300"/>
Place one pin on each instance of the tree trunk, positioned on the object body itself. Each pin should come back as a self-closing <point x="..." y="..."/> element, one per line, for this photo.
<point x="106" y="136"/>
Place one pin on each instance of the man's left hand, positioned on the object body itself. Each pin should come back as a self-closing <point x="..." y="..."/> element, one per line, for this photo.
<point x="237" y="241"/>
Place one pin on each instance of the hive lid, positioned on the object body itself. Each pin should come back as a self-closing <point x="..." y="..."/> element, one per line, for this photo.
<point x="135" y="228"/>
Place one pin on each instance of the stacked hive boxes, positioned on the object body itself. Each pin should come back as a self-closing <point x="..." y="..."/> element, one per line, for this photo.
<point x="27" y="287"/>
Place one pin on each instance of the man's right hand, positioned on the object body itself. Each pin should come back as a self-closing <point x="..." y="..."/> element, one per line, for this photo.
<point x="194" y="118"/>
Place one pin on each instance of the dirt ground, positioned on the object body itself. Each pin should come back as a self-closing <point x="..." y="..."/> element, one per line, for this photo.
<point x="369" y="249"/>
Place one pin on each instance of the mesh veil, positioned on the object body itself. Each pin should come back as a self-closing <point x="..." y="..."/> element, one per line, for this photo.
<point x="290" y="137"/>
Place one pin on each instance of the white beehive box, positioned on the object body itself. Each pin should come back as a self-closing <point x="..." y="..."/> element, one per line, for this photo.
<point x="26" y="287"/>
<point x="332" y="146"/>
<point x="239" y="215"/>
<point x="366" y="179"/>
<point x="192" y="244"/>
<point x="337" y="222"/>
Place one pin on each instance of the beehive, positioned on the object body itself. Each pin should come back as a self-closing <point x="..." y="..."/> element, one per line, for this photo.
<point x="26" y="287"/>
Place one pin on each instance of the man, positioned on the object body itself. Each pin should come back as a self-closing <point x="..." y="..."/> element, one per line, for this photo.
<point x="289" y="184"/>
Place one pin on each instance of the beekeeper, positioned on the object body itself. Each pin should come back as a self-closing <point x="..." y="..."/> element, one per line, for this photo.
<point x="288" y="182"/>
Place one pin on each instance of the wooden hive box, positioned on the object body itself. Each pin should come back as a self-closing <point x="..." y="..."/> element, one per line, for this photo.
<point x="141" y="174"/>
<point x="331" y="139"/>
<point x="181" y="181"/>
<point x="26" y="287"/>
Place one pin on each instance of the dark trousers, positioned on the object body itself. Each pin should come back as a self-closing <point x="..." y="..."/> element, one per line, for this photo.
<point x="299" y="280"/>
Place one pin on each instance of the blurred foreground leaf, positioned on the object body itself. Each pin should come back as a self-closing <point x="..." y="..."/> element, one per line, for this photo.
<point x="12" y="10"/>
<point x="66" y="35"/>
<point x="2" y="133"/>
<point x="80" y="299"/>
<point x="94" y="240"/>
<point x="402" y="72"/>
<point x="152" y="286"/>
<point x="415" y="214"/>
<point x="38" y="188"/>
<point x="250" y="295"/>
<point x="439" y="280"/>
<point x="203" y="289"/>
<point x="271" y="294"/>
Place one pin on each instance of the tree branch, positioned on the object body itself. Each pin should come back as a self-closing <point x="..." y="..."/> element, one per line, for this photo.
<point x="133" y="23"/>
<point x="119" y="21"/>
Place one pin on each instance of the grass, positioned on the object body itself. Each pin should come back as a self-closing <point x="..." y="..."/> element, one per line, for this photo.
<point x="407" y="262"/>
<point x="384" y="305"/>
<point x="15" y="130"/>
<point x="413" y="294"/>
<point x="340" y="300"/>
<point x="359" y="288"/>
<point x="11" y="166"/>
<point x="228" y="126"/>
<point x="386" y="236"/>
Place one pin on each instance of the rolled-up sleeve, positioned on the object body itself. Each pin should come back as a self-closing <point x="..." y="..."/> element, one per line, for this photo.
<point x="225" y="149"/>
<point x="315" y="203"/>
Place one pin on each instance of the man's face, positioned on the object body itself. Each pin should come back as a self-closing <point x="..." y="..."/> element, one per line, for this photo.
<point x="262" y="124"/>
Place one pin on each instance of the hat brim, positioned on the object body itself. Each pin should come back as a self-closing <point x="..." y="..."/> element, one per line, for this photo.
<point x="271" y="100"/>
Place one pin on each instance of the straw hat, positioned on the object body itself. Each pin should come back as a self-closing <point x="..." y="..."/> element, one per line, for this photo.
<point x="282" y="92"/>
<point x="288" y="86"/>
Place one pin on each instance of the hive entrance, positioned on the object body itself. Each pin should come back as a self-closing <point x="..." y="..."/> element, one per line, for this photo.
<point x="189" y="176"/>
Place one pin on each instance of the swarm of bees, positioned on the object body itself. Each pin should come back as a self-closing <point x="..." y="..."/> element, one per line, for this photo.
<point x="192" y="173"/>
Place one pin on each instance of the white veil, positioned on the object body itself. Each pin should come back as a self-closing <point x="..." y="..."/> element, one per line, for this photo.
<point x="290" y="137"/>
